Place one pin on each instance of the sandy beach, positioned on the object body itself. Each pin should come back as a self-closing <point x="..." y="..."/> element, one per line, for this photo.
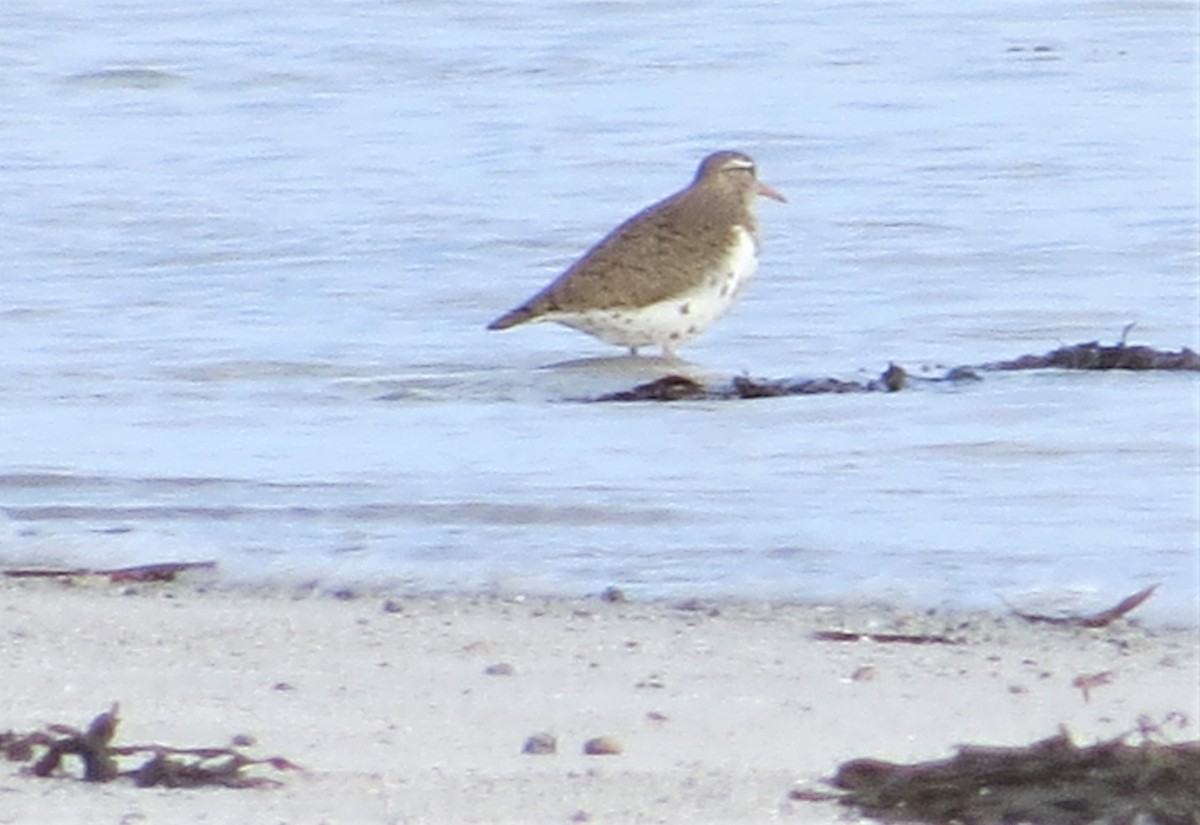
<point x="417" y="710"/>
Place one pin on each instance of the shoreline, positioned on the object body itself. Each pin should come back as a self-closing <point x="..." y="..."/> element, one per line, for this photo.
<point x="1163" y="607"/>
<point x="405" y="708"/>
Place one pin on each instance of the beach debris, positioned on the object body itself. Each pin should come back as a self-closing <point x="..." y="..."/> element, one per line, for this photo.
<point x="540" y="744"/>
<point x="91" y="746"/>
<point x="1095" y="356"/>
<point x="614" y="595"/>
<point x="1052" y="782"/>
<point x="667" y="388"/>
<point x="1102" y="619"/>
<point x="885" y="638"/>
<point x="654" y="681"/>
<point x="158" y="765"/>
<point x="499" y="669"/>
<point x="682" y="388"/>
<point x="1086" y="356"/>
<point x="697" y="606"/>
<point x="603" y="746"/>
<point x="160" y="572"/>
<point x="1085" y="682"/>
<point x="864" y="673"/>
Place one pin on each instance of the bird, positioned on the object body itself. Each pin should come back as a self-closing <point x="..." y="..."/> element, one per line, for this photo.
<point x="666" y="274"/>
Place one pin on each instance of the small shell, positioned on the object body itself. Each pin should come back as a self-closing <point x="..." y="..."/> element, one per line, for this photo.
<point x="602" y="746"/>
<point x="540" y="744"/>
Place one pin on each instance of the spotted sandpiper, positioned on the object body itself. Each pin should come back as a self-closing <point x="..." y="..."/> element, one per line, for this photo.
<point x="666" y="274"/>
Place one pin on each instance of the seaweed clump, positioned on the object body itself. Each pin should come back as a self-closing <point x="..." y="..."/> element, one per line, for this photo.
<point x="1051" y="782"/>
<point x="157" y="765"/>
<point x="1096" y="356"/>
<point x="1092" y="356"/>
<point x="682" y="388"/>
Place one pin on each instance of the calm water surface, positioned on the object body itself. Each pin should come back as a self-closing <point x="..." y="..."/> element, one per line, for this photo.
<point x="248" y="254"/>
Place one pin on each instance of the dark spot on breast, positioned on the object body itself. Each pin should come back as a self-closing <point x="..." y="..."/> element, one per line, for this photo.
<point x="692" y="330"/>
<point x="686" y="309"/>
<point x="674" y="336"/>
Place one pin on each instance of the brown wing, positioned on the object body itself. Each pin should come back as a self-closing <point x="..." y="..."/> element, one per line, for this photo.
<point x="654" y="255"/>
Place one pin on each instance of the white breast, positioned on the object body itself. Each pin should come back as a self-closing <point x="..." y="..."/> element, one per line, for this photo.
<point x="674" y="321"/>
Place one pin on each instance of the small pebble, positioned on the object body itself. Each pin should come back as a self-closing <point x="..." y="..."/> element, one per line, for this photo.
<point x="697" y="606"/>
<point x="541" y="744"/>
<point x="499" y="669"/>
<point x="392" y="606"/>
<point x="613" y="594"/>
<point x="602" y="746"/>
<point x="866" y="673"/>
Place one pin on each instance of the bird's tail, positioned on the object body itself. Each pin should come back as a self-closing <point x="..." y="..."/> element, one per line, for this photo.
<point x="513" y="317"/>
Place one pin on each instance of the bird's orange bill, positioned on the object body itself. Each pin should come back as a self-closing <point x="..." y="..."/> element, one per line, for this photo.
<point x="768" y="192"/>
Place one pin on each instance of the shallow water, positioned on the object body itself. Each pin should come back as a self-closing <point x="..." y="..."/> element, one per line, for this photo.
<point x="249" y="254"/>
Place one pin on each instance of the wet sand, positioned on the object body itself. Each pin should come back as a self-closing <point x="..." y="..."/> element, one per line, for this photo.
<point x="416" y="710"/>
